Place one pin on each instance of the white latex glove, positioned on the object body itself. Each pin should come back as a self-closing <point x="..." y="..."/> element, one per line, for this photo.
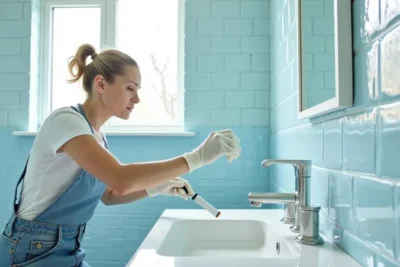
<point x="217" y="144"/>
<point x="172" y="188"/>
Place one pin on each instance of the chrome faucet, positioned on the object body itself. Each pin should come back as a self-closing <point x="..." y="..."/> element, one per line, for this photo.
<point x="296" y="204"/>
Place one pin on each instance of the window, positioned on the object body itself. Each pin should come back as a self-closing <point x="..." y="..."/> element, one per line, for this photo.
<point x="151" y="31"/>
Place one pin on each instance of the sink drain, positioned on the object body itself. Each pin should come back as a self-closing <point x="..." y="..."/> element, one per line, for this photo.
<point x="278" y="247"/>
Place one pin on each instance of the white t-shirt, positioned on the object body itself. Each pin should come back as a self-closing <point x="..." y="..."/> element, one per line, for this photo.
<point x="50" y="173"/>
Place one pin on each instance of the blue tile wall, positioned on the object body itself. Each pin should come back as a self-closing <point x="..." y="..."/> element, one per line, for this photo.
<point x="355" y="177"/>
<point x="227" y="84"/>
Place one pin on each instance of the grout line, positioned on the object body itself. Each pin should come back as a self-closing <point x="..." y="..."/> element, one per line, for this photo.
<point x="369" y="176"/>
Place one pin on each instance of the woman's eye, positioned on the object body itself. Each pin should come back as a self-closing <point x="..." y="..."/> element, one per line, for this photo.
<point x="130" y="89"/>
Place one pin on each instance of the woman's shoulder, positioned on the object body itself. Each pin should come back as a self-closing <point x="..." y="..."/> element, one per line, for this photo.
<point x="61" y="125"/>
<point x="65" y="118"/>
<point x="62" y="113"/>
<point x="65" y="109"/>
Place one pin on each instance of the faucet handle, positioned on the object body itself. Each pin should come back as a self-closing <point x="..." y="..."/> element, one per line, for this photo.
<point x="301" y="166"/>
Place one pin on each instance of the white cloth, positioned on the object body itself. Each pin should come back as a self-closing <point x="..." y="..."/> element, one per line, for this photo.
<point x="49" y="173"/>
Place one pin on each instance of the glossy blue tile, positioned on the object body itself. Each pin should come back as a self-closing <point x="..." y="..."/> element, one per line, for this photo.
<point x="324" y="225"/>
<point x="359" y="142"/>
<point x="307" y="25"/>
<point x="358" y="249"/>
<point x="255" y="9"/>
<point x="283" y="177"/>
<point x="293" y="143"/>
<point x="191" y="27"/>
<point x="190" y="63"/>
<point x="282" y="147"/>
<point x="366" y="90"/>
<point x="316" y="144"/>
<point x="365" y="21"/>
<point x="197" y="45"/>
<point x="388" y="141"/>
<point x="333" y="141"/>
<point x="332" y="231"/>
<point x="195" y="117"/>
<point x="319" y="194"/>
<point x="374" y="216"/>
<point x="346" y="145"/>
<point x="261" y="26"/>
<point x="390" y="78"/>
<point x="225" y="9"/>
<point x="273" y="148"/>
<point x="284" y="83"/>
<point x="197" y="9"/>
<point x="285" y="115"/>
<point x="238" y="27"/>
<point x="341" y="199"/>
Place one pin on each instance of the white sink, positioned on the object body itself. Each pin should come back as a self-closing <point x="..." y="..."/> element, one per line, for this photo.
<point x="194" y="238"/>
<point x="222" y="238"/>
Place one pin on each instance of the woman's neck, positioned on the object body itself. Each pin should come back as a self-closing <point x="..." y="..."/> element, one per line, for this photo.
<point x="95" y="114"/>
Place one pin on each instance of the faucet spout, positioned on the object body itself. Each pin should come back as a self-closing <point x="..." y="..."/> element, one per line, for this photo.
<point x="302" y="167"/>
<point x="306" y="221"/>
<point x="280" y="198"/>
<point x="302" y="170"/>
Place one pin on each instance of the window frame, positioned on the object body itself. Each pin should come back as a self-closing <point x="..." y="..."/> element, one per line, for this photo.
<point x="108" y="30"/>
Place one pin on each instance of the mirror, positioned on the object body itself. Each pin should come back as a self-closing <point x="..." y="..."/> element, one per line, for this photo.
<point x="325" y="62"/>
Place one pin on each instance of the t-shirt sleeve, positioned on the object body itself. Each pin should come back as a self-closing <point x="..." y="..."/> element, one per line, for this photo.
<point x="65" y="125"/>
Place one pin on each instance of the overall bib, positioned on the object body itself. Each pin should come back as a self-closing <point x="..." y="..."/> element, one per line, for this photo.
<point x="54" y="237"/>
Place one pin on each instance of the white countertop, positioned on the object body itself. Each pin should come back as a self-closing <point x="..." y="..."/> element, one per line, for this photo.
<point x="326" y="255"/>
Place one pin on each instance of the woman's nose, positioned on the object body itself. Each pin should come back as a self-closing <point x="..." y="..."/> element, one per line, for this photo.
<point x="136" y="99"/>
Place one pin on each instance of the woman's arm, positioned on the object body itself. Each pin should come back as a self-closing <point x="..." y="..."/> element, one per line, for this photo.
<point x="170" y="188"/>
<point x="123" y="178"/>
<point x="133" y="177"/>
<point x="111" y="197"/>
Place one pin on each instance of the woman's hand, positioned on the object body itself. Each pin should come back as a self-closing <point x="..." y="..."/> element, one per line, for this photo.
<point x="217" y="144"/>
<point x="172" y="188"/>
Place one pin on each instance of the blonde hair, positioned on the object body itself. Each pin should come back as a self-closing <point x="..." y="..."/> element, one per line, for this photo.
<point x="109" y="63"/>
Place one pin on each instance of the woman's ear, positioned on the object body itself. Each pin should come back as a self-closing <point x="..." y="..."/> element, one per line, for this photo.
<point x="98" y="84"/>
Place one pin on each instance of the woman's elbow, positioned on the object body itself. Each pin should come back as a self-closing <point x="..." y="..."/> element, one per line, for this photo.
<point x="121" y="188"/>
<point x="118" y="181"/>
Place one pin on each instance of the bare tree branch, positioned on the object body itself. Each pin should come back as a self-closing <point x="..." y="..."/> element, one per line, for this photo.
<point x="169" y="101"/>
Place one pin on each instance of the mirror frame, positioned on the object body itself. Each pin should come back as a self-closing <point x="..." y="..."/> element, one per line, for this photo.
<point x="343" y="62"/>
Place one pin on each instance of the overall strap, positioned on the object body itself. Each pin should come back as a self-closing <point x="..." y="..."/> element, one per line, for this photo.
<point x="21" y="178"/>
<point x="82" y="112"/>
<point x="10" y="223"/>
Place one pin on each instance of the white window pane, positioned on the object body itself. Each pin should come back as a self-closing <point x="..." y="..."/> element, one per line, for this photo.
<point x="150" y="36"/>
<point x="71" y="28"/>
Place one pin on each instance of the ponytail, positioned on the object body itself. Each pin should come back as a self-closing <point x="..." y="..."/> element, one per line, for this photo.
<point x="78" y="62"/>
<point x="108" y="63"/>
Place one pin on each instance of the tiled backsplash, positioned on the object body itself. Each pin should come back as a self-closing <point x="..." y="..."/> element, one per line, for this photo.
<point x="355" y="176"/>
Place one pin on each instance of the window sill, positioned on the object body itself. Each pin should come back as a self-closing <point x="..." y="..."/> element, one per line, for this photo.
<point x="122" y="133"/>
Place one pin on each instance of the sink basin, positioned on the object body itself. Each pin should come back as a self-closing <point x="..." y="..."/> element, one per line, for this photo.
<point x="221" y="238"/>
<point x="238" y="238"/>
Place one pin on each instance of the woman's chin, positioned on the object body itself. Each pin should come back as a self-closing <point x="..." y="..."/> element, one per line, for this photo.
<point x="124" y="116"/>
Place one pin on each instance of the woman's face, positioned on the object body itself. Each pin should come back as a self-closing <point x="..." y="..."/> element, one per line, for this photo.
<point x="121" y="96"/>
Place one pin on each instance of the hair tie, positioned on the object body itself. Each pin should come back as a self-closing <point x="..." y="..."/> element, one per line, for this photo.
<point x="94" y="55"/>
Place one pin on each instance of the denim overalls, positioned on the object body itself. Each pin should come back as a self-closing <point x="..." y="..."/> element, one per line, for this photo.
<point x="53" y="239"/>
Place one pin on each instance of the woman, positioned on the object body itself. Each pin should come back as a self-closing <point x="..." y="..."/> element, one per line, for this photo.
<point x="70" y="168"/>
